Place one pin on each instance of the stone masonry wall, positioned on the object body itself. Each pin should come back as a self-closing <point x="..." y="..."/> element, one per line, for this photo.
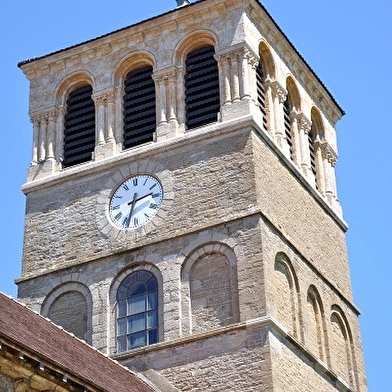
<point x="235" y="361"/>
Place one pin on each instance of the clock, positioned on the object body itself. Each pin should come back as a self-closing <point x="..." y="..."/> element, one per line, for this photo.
<point x="135" y="201"/>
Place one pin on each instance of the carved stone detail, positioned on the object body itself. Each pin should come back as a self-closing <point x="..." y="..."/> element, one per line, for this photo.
<point x="328" y="153"/>
<point x="304" y="123"/>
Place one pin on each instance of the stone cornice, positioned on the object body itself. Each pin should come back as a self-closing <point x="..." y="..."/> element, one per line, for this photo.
<point x="127" y="37"/>
<point x="294" y="61"/>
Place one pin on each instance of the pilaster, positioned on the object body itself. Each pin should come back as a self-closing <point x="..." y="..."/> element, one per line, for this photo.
<point x="166" y="82"/>
<point x="105" y="121"/>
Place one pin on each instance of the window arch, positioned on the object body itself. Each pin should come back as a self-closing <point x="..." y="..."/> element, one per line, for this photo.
<point x="137" y="311"/>
<point x="343" y="360"/>
<point x="316" y="338"/>
<point x="289" y="311"/>
<point x="70" y="305"/>
<point x="209" y="288"/>
<point x="79" y="126"/>
<point x="139" y="107"/>
<point x="202" y="97"/>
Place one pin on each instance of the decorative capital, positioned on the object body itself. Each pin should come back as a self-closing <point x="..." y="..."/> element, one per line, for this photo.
<point x="328" y="153"/>
<point x="304" y="123"/>
<point x="164" y="75"/>
<point x="240" y="52"/>
<point x="278" y="91"/>
<point x="43" y="117"/>
<point x="104" y="97"/>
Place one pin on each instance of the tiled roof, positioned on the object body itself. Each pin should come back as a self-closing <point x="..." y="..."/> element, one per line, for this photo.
<point x="55" y="347"/>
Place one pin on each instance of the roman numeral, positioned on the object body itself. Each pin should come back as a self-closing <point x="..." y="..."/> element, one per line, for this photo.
<point x="134" y="182"/>
<point x="153" y="206"/>
<point x="125" y="186"/>
<point x="153" y="186"/>
<point x="115" y="207"/>
<point x="155" y="195"/>
<point x="118" y="216"/>
<point x="125" y="222"/>
<point x="135" y="221"/>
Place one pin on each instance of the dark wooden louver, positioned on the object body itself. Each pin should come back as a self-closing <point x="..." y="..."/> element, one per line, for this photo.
<point x="261" y="98"/>
<point x="312" y="154"/>
<point x="139" y="107"/>
<point x="287" y="125"/>
<point x="79" y="127"/>
<point x="202" y="101"/>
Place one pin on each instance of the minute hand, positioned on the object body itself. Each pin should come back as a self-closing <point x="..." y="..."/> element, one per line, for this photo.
<point x="140" y="198"/>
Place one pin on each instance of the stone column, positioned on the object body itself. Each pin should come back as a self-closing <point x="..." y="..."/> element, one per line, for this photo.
<point x="119" y="120"/>
<point x="160" y="85"/>
<point x="172" y="95"/>
<point x="295" y="134"/>
<point x="110" y="100"/>
<point x="166" y="93"/>
<point x="329" y="161"/>
<point x="180" y="88"/>
<point x="51" y="135"/>
<point x="105" y="141"/>
<point x="36" y="127"/>
<point x="42" y="138"/>
<point x="320" y="175"/>
<point x="224" y="78"/>
<point x="100" y="124"/>
<point x="304" y="159"/>
<point x="59" y="141"/>
<point x="246" y="75"/>
<point x="279" y="95"/>
<point x="270" y="104"/>
<point x="234" y="63"/>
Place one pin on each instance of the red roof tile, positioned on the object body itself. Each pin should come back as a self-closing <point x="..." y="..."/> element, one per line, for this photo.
<point x="37" y="335"/>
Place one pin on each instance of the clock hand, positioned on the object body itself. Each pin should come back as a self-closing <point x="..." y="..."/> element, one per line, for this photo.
<point x="132" y="203"/>
<point x="139" y="198"/>
<point x="142" y="197"/>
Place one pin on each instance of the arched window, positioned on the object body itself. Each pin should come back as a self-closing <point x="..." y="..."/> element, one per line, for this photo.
<point x="79" y="127"/>
<point x="261" y="95"/>
<point x="137" y="311"/>
<point x="139" y="107"/>
<point x="287" y="107"/>
<point x="202" y="101"/>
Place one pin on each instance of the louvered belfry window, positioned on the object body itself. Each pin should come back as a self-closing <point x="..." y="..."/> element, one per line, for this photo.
<point x="139" y="107"/>
<point x="202" y="101"/>
<point x="261" y="98"/>
<point x="312" y="154"/>
<point x="287" y="125"/>
<point x="79" y="127"/>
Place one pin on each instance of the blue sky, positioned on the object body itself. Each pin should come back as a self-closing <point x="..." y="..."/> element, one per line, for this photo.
<point x="347" y="44"/>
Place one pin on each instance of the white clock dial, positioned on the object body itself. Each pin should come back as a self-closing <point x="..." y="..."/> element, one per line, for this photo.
<point x="135" y="201"/>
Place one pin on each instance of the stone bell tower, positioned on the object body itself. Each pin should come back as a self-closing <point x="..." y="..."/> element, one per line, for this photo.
<point x="181" y="206"/>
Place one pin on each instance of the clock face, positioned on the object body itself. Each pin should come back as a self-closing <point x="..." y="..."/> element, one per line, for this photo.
<point x="135" y="201"/>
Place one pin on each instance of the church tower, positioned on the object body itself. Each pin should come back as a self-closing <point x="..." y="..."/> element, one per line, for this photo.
<point x="182" y="213"/>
